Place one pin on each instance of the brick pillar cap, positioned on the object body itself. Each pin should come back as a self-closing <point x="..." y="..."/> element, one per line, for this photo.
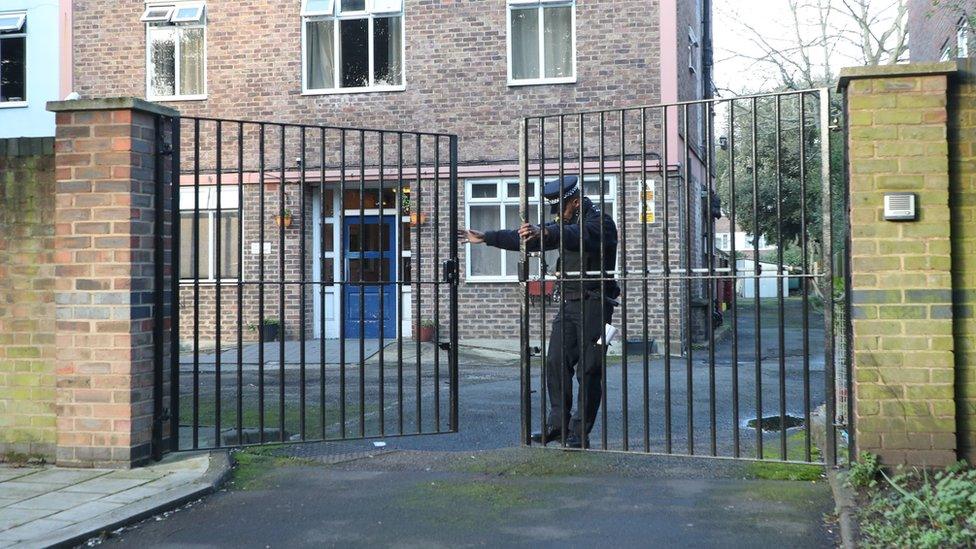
<point x="111" y="104"/>
<point x="895" y="71"/>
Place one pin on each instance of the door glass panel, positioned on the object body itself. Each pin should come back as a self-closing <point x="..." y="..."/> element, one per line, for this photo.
<point x="371" y="241"/>
<point x="405" y="269"/>
<point x="371" y="198"/>
<point x="329" y="235"/>
<point x="328" y="270"/>
<point x="329" y="210"/>
<point x="369" y="270"/>
<point x="405" y="236"/>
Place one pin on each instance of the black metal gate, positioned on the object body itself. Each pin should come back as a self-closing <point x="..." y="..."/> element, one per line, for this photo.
<point x="726" y="262"/>
<point x="313" y="264"/>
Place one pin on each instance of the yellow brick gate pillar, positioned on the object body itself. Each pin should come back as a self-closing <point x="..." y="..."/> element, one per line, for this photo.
<point x="901" y="271"/>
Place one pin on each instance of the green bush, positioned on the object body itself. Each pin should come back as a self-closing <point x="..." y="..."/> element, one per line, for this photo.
<point x="865" y="471"/>
<point x="924" y="512"/>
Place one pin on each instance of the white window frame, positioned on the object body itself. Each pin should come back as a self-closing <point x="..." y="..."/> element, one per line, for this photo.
<point x="21" y="20"/>
<point x="963" y="31"/>
<point x="155" y="24"/>
<point x="208" y="206"/>
<point x="336" y="16"/>
<point x="539" y="5"/>
<point x="20" y="34"/>
<point x="501" y="200"/>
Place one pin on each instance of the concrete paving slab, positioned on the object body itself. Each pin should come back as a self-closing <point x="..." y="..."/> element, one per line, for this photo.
<point x="56" y="501"/>
<point x="61" y="476"/>
<point x="31" y="530"/>
<point x="11" y="473"/>
<point x="133" y="494"/>
<point x="86" y="511"/>
<point x="15" y="517"/>
<point x="22" y="490"/>
<point x="106" y="485"/>
<point x="43" y="514"/>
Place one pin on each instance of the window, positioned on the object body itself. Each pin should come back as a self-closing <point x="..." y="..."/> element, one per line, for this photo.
<point x="541" y="41"/>
<point x="176" y="51"/>
<point x="352" y="45"/>
<point x="492" y="204"/>
<point x="722" y="241"/>
<point x="962" y="38"/>
<point x="230" y="238"/>
<point x="13" y="59"/>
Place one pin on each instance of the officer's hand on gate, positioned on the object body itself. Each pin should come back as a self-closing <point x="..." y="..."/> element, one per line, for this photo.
<point x="529" y="231"/>
<point x="470" y="236"/>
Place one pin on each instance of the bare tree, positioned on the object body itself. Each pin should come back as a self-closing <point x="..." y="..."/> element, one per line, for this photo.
<point x="822" y="35"/>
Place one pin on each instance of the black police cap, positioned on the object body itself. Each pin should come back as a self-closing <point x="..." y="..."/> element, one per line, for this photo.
<point x="567" y="187"/>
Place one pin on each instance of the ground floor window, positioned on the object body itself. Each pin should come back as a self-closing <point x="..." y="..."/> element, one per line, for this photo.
<point x="494" y="203"/>
<point x="203" y="248"/>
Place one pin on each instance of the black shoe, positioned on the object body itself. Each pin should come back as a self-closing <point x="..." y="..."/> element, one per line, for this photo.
<point x="574" y="441"/>
<point x="552" y="434"/>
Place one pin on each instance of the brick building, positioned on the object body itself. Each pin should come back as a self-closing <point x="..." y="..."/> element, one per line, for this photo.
<point x="940" y="31"/>
<point x="468" y="67"/>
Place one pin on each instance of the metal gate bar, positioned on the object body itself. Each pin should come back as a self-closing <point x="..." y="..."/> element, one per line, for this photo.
<point x="216" y="343"/>
<point x="766" y="139"/>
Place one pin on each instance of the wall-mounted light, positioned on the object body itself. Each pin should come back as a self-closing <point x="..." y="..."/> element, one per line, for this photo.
<point x="723" y="143"/>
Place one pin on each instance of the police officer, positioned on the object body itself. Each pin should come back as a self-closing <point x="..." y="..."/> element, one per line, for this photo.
<point x="573" y="345"/>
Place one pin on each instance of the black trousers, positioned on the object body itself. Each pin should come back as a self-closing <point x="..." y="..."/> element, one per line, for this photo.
<point x="573" y="352"/>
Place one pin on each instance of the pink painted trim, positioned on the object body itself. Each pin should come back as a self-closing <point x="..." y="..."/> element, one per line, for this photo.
<point x="66" y="49"/>
<point x="372" y="174"/>
<point x="669" y="69"/>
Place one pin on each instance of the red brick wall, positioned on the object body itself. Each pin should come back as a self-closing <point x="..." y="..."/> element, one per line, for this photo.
<point x="104" y="268"/>
<point x="930" y="26"/>
<point x="456" y="81"/>
<point x="455" y="65"/>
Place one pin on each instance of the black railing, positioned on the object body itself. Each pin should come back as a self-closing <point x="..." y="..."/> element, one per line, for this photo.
<point x="764" y="162"/>
<point x="310" y="266"/>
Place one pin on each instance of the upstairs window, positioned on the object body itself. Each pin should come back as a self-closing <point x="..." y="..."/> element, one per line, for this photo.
<point x="352" y="45"/>
<point x="13" y="59"/>
<point x="176" y="51"/>
<point x="963" y="32"/>
<point x="541" y="41"/>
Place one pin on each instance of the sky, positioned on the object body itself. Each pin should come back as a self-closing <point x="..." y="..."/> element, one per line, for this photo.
<point x="772" y="18"/>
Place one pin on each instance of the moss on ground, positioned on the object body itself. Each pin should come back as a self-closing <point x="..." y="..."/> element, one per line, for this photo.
<point x="769" y="470"/>
<point x="252" y="465"/>
<point x="535" y="463"/>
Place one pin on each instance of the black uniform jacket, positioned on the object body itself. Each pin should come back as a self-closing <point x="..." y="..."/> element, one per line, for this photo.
<point x="594" y="223"/>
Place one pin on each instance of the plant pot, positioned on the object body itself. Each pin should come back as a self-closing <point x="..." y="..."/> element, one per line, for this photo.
<point x="417" y="219"/>
<point x="426" y="333"/>
<point x="269" y="332"/>
<point x="283" y="221"/>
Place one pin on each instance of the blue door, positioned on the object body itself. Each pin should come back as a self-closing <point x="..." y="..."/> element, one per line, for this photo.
<point x="370" y="257"/>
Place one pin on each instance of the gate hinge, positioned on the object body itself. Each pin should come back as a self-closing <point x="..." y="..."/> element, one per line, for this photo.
<point x="451" y="275"/>
<point x="523" y="271"/>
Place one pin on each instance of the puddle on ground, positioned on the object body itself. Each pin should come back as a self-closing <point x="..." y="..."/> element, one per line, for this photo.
<point x="773" y="423"/>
